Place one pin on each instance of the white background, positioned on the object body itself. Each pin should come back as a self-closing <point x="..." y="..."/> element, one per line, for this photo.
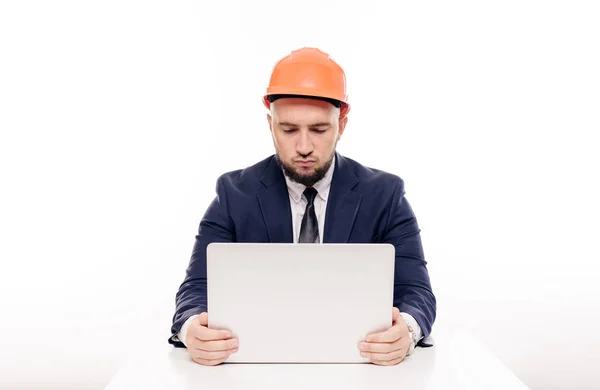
<point x="116" y="118"/>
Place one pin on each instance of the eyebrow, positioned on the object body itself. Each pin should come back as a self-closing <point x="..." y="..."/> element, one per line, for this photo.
<point x="318" y="124"/>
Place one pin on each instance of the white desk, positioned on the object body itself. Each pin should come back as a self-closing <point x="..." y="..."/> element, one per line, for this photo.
<point x="457" y="361"/>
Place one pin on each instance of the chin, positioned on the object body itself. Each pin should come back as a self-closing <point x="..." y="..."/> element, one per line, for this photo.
<point x="305" y="173"/>
<point x="307" y="176"/>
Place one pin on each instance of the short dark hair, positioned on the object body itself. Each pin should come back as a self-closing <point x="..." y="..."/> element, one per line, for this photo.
<point x="272" y="98"/>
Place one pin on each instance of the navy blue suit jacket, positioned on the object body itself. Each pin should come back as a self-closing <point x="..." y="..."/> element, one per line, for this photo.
<point x="364" y="206"/>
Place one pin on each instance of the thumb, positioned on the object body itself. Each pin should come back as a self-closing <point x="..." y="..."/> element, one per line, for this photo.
<point x="395" y="314"/>
<point x="203" y="319"/>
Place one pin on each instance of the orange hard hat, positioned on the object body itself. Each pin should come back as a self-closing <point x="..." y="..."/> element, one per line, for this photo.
<point x="309" y="72"/>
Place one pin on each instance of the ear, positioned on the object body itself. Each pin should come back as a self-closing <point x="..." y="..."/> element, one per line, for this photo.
<point x="269" y="120"/>
<point x="342" y="126"/>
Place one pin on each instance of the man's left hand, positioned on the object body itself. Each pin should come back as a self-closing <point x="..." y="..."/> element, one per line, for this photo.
<point x="390" y="347"/>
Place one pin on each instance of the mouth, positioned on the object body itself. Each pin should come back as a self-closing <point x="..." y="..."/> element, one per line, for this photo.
<point x="305" y="163"/>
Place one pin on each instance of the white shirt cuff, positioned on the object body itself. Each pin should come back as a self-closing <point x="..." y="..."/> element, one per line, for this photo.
<point x="182" y="335"/>
<point x="410" y="320"/>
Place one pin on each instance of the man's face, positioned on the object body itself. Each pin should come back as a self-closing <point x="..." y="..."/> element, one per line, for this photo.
<point x="305" y="133"/>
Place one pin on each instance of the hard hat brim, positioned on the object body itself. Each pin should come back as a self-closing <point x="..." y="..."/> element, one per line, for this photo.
<point x="344" y="106"/>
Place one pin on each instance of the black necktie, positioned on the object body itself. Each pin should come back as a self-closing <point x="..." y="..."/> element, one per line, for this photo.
<point x="309" y="230"/>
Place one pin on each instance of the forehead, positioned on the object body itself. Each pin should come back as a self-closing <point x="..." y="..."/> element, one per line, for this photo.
<point x="303" y="111"/>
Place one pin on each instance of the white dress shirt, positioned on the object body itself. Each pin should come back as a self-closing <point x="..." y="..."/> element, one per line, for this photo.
<point x="298" y="204"/>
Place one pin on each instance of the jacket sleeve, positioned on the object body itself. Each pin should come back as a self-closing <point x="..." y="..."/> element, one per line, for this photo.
<point x="215" y="226"/>
<point x="412" y="287"/>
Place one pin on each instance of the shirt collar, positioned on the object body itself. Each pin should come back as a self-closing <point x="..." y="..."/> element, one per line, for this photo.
<point x="322" y="186"/>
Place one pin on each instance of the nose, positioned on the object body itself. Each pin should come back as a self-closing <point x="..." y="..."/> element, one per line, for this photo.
<point x="304" y="146"/>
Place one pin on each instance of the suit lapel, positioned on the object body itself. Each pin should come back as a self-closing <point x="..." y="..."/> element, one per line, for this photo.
<point x="274" y="204"/>
<point x="342" y="204"/>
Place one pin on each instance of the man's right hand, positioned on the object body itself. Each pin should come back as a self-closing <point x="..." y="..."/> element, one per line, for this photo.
<point x="209" y="347"/>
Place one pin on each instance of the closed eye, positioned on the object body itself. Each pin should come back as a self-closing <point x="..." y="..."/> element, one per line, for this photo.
<point x="316" y="130"/>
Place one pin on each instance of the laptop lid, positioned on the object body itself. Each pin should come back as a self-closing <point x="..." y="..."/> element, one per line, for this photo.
<point x="300" y="303"/>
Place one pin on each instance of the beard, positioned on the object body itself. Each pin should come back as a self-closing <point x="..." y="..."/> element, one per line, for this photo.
<point x="307" y="180"/>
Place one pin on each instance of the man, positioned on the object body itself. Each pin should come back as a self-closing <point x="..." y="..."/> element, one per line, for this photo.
<point x="308" y="193"/>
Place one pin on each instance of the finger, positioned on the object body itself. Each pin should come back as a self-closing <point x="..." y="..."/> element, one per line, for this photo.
<point x="203" y="319"/>
<point x="384" y="357"/>
<point x="206" y="362"/>
<point x="395" y="313"/>
<point x="381" y="347"/>
<point x="218" y="345"/>
<point x="202" y="332"/>
<point x="389" y="336"/>
<point x="212" y="355"/>
<point x="388" y="363"/>
<point x="208" y="334"/>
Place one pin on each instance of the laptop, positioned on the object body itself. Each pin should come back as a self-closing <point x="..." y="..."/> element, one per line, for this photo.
<point x="300" y="303"/>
